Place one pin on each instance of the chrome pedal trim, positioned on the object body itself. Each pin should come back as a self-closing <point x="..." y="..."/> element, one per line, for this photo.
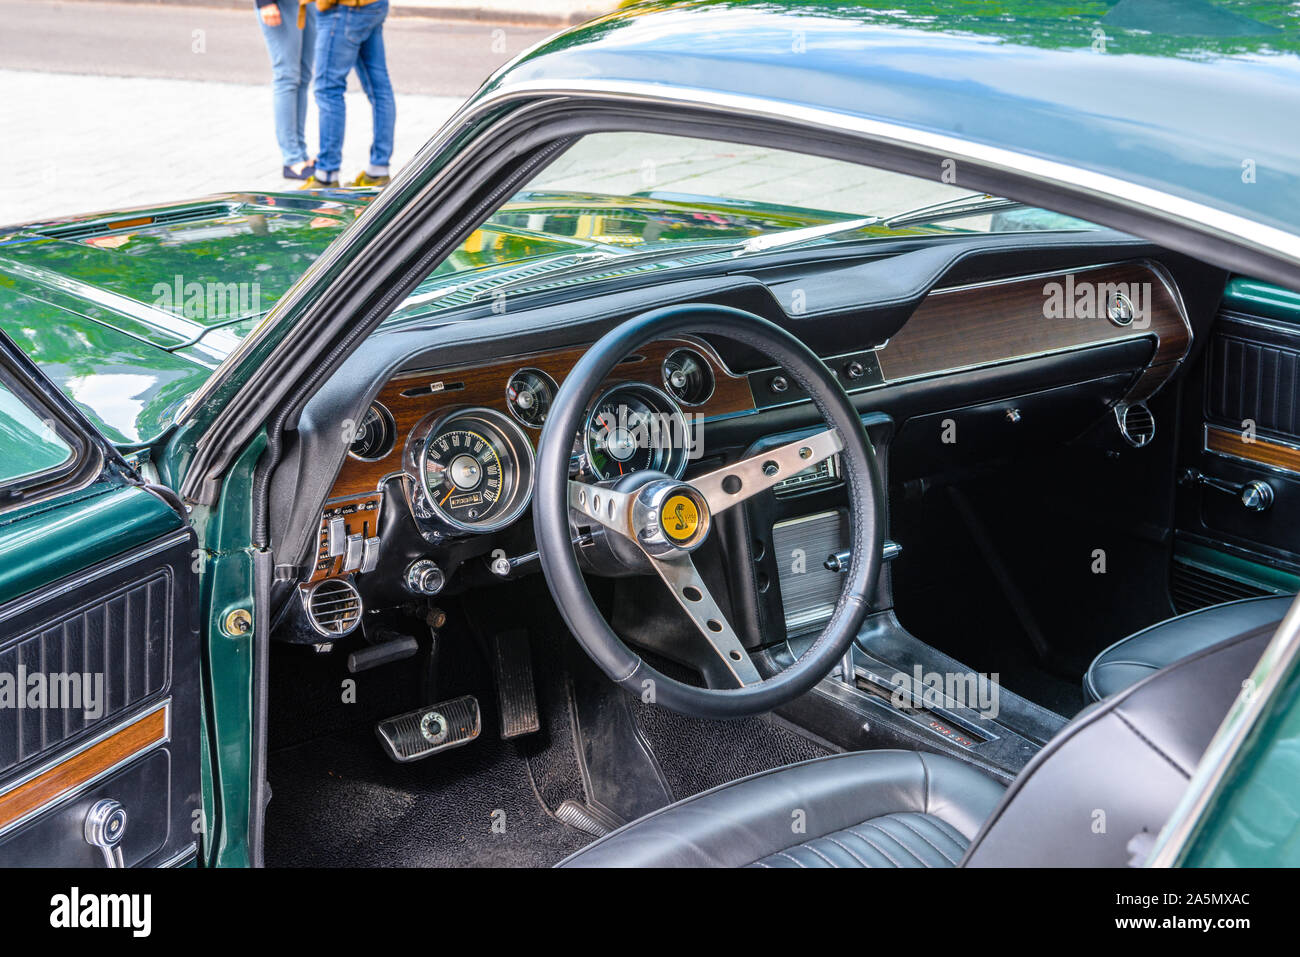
<point x="428" y="730"/>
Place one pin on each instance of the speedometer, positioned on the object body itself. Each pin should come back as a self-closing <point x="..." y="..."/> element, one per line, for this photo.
<point x="633" y="427"/>
<point x="476" y="470"/>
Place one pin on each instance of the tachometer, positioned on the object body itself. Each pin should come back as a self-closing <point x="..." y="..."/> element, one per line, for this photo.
<point x="475" y="469"/>
<point x="632" y="427"/>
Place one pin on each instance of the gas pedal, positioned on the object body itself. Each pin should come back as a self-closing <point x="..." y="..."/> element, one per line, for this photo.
<point x="512" y="661"/>
<point x="425" y="731"/>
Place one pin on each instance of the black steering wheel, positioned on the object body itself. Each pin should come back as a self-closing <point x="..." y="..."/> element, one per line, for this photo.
<point x="659" y="521"/>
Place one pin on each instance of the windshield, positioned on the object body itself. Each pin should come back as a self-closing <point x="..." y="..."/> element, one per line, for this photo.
<point x="617" y="199"/>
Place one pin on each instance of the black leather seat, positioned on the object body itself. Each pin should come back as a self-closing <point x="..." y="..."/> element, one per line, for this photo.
<point x="1143" y="653"/>
<point x="1127" y="758"/>
<point x="862" y="809"/>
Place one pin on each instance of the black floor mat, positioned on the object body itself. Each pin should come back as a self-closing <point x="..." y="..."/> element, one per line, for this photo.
<point x="696" y="754"/>
<point x="337" y="801"/>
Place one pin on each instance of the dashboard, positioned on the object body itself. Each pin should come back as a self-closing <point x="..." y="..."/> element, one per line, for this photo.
<point x="449" y="448"/>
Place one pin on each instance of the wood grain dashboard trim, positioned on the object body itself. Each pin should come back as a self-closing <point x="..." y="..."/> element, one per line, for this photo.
<point x="485" y="385"/>
<point x="965" y="327"/>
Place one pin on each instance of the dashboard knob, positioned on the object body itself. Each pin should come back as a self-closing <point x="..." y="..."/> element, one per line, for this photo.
<point x="425" y="578"/>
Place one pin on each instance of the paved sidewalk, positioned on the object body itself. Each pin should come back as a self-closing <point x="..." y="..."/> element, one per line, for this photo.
<point x="75" y="144"/>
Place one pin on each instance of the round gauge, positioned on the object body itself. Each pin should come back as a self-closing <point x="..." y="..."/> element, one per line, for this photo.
<point x="632" y="427"/>
<point x="688" y="377"/>
<point x="375" y="436"/>
<point x="529" y="395"/>
<point x="476" y="470"/>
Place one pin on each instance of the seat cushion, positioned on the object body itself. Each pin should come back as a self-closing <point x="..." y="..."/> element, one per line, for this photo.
<point x="860" y="809"/>
<point x="1143" y="653"/>
<point x="906" y="839"/>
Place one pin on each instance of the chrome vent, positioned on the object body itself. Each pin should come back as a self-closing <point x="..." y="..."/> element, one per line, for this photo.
<point x="809" y="590"/>
<point x="334" y="607"/>
<point x="1136" y="424"/>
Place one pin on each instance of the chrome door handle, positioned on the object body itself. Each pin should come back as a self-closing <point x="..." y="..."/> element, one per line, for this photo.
<point x="105" y="826"/>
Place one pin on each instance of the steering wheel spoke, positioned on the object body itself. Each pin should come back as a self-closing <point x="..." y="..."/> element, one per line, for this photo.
<point x="725" y="487"/>
<point x="603" y="506"/>
<point x="683" y="579"/>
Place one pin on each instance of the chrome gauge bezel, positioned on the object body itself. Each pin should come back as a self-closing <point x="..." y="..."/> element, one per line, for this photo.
<point x="519" y="449"/>
<point x="700" y="360"/>
<point x="390" y="430"/>
<point x="550" y="384"/>
<point x="661" y="401"/>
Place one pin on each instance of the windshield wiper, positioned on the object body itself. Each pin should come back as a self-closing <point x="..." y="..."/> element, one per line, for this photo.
<point x="962" y="206"/>
<point x="597" y="261"/>
<point x="793" y="237"/>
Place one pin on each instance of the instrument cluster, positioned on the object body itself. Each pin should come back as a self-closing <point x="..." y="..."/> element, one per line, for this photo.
<point x="469" y="470"/>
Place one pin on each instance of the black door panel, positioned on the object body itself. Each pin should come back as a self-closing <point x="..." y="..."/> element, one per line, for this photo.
<point x="130" y="624"/>
<point x="1241" y="425"/>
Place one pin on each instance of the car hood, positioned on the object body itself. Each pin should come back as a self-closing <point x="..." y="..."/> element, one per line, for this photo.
<point x="129" y="312"/>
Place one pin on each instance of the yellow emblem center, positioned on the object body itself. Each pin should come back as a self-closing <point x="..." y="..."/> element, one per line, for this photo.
<point x="680" y="518"/>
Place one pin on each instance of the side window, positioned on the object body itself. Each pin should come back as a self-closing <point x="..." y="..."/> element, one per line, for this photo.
<point x="29" y="446"/>
<point x="40" y="451"/>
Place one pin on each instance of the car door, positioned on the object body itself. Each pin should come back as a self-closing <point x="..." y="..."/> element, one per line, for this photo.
<point x="99" y="645"/>
<point x="1239" y="496"/>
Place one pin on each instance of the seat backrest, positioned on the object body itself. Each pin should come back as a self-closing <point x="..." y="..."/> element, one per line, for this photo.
<point x="1119" y="767"/>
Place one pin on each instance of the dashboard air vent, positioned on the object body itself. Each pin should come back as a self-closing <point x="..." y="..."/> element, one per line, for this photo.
<point x="1136" y="424"/>
<point x="334" y="607"/>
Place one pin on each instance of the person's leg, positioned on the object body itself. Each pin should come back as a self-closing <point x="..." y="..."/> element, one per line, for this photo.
<point x="307" y="58"/>
<point x="284" y="43"/>
<point x="336" y="54"/>
<point x="372" y="69"/>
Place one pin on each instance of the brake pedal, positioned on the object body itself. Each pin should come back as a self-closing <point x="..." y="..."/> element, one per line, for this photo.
<point x="512" y="661"/>
<point x="425" y="731"/>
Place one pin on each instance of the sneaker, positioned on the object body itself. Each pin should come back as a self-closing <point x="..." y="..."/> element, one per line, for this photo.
<point x="365" y="179"/>
<point x="307" y="172"/>
<point x="313" y="183"/>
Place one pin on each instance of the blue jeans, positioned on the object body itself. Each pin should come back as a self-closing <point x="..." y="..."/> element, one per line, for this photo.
<point x="347" y="38"/>
<point x="292" y="51"/>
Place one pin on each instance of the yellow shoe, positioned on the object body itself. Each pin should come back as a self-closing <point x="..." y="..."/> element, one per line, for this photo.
<point x="365" y="179"/>
<point x="313" y="183"/>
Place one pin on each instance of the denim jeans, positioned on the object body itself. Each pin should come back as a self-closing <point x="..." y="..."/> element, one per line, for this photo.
<point x="292" y="51"/>
<point x="347" y="38"/>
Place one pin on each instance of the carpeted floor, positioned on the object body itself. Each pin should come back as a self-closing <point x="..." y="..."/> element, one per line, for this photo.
<point x="339" y="801"/>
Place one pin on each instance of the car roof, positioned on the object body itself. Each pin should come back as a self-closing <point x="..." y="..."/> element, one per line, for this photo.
<point x="1200" y="106"/>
